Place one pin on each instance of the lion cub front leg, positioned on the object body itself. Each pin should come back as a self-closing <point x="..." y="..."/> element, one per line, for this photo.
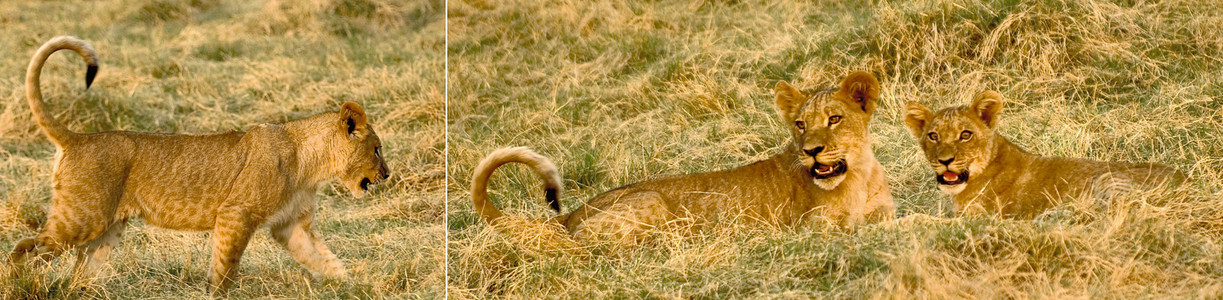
<point x="232" y="233"/>
<point x="307" y="248"/>
<point x="880" y="206"/>
<point x="91" y="258"/>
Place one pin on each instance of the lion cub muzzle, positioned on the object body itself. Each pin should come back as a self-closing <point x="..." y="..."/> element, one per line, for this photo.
<point x="946" y="175"/>
<point x="821" y="170"/>
<point x="952" y="177"/>
<point x="383" y="172"/>
<point x="378" y="176"/>
<point x="826" y="166"/>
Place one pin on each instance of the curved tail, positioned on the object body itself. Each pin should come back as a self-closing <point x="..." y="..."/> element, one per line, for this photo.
<point x="542" y="166"/>
<point x="56" y="131"/>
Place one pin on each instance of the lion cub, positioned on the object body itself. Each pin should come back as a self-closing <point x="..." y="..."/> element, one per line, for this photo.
<point x="985" y="171"/>
<point x="827" y="171"/>
<point x="230" y="183"/>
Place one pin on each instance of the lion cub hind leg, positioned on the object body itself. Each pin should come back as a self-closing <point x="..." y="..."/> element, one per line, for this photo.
<point x="81" y="211"/>
<point x="625" y="222"/>
<point x="307" y="249"/>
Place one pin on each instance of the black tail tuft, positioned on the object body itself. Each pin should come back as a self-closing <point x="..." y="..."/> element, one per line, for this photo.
<point x="551" y="197"/>
<point x="90" y="72"/>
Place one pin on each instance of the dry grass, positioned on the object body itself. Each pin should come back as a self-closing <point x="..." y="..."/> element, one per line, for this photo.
<point x="216" y="65"/>
<point x="618" y="92"/>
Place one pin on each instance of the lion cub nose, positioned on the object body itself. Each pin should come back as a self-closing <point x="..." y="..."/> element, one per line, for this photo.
<point x="813" y="152"/>
<point x="947" y="162"/>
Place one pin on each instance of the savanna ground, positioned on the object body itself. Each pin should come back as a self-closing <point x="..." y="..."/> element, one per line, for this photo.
<point x="196" y="66"/>
<point x="619" y="92"/>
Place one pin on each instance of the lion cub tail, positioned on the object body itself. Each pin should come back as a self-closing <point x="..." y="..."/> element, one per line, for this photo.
<point x="56" y="131"/>
<point x="542" y="166"/>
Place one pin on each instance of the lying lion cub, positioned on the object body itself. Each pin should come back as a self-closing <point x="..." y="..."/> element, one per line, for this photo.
<point x="230" y="183"/>
<point x="828" y="171"/>
<point x="985" y="171"/>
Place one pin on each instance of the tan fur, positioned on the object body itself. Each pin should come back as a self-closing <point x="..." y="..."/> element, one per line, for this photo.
<point x="231" y="183"/>
<point x="781" y="190"/>
<point x="1003" y="178"/>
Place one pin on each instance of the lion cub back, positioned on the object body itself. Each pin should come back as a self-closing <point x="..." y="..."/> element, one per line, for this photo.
<point x="172" y="181"/>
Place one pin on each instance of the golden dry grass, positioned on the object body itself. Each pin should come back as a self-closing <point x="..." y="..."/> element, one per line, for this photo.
<point x="194" y="66"/>
<point x="619" y="92"/>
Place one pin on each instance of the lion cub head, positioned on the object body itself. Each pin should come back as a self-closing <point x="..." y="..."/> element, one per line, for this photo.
<point x="829" y="128"/>
<point x="359" y="150"/>
<point x="958" y="141"/>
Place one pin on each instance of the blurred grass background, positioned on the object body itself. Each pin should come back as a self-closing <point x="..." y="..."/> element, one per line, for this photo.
<point x="617" y="92"/>
<point x="196" y="66"/>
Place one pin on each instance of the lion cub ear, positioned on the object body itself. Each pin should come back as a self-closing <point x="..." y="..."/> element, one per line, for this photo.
<point x="916" y="118"/>
<point x="987" y="106"/>
<point x="862" y="89"/>
<point x="352" y="116"/>
<point x="789" y="100"/>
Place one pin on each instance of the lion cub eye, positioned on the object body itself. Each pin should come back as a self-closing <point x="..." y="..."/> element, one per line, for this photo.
<point x="964" y="136"/>
<point x="800" y="125"/>
<point x="378" y="151"/>
<point x="834" y="120"/>
<point x="933" y="136"/>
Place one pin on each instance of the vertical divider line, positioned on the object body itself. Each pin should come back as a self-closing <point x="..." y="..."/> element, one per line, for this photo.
<point x="446" y="150"/>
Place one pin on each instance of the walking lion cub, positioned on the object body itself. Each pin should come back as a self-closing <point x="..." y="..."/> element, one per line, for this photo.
<point x="230" y="183"/>
<point x="987" y="173"/>
<point x="827" y="171"/>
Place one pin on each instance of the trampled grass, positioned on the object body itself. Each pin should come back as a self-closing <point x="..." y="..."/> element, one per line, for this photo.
<point x="194" y="66"/>
<point x="617" y="93"/>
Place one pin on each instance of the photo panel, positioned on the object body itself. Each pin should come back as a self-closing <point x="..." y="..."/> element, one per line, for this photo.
<point x="832" y="149"/>
<point x="316" y="128"/>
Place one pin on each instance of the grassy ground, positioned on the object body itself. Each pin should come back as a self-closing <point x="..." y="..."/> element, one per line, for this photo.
<point x="197" y="66"/>
<point x="618" y="92"/>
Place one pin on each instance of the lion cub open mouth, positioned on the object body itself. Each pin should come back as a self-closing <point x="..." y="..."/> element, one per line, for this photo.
<point x="822" y="171"/>
<point x="951" y="178"/>
<point x="367" y="183"/>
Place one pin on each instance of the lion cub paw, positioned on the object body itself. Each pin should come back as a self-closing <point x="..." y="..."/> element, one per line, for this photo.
<point x="331" y="274"/>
